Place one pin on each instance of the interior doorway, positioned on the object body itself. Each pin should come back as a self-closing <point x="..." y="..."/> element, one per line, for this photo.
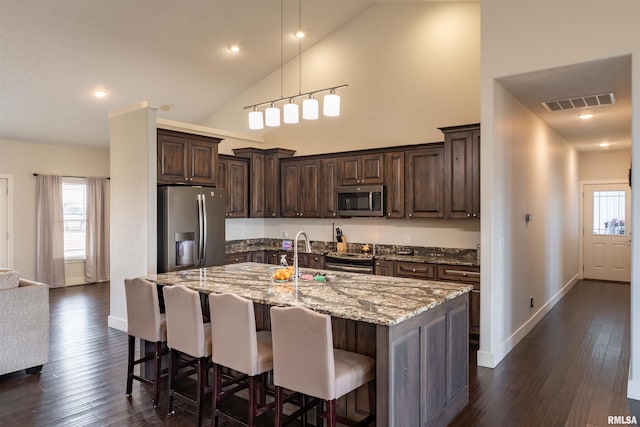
<point x="606" y="239"/>
<point x="6" y="223"/>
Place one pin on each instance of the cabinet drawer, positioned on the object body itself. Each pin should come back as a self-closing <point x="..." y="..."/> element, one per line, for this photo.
<point x="237" y="257"/>
<point x="455" y="273"/>
<point x="415" y="270"/>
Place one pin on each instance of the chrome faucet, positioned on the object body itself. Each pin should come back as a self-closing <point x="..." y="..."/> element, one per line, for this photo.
<point x="295" y="252"/>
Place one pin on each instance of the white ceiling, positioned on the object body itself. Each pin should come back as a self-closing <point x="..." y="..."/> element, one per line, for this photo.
<point x="54" y="54"/>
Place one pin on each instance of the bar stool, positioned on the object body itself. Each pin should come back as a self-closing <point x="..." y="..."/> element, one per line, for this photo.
<point x="144" y="321"/>
<point x="305" y="361"/>
<point x="187" y="334"/>
<point x="238" y="346"/>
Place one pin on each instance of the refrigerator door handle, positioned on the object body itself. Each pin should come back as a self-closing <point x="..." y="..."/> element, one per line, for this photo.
<point x="200" y="231"/>
<point x="205" y="227"/>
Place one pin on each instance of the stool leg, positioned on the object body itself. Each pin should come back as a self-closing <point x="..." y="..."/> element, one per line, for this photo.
<point x="372" y="397"/>
<point x="173" y="366"/>
<point x="278" y="417"/>
<point x="130" y="357"/>
<point x="202" y="374"/>
<point x="157" y="358"/>
<point x="251" y="421"/>
<point x="331" y="413"/>
<point x="319" y="409"/>
<point x="217" y="382"/>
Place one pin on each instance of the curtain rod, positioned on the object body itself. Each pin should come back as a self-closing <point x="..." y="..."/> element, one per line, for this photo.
<point x="68" y="176"/>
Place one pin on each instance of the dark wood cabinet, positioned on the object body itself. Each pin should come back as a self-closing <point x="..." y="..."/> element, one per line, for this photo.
<point x="425" y="182"/>
<point x="300" y="188"/>
<point x="415" y="270"/>
<point x="259" y="256"/>
<point x="233" y="176"/>
<point x="383" y="268"/>
<point x="361" y="169"/>
<point x="316" y="261"/>
<point x="328" y="187"/>
<point x="186" y="159"/>
<point x="264" y="180"/>
<point x="394" y="171"/>
<point x="237" y="257"/>
<point x="470" y="275"/>
<point x="462" y="171"/>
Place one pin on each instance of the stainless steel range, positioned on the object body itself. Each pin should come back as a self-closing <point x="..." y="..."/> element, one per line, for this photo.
<point x="349" y="261"/>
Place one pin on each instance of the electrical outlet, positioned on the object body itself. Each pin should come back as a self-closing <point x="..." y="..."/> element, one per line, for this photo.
<point x="531" y="302"/>
<point x="407" y="238"/>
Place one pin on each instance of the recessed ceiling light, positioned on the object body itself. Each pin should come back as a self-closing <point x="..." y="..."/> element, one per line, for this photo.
<point x="605" y="144"/>
<point x="234" y="48"/>
<point x="586" y="116"/>
<point x="299" y="34"/>
<point x="100" y="93"/>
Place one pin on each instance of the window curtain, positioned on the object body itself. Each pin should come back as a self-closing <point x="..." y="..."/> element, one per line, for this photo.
<point x="49" y="230"/>
<point x="97" y="248"/>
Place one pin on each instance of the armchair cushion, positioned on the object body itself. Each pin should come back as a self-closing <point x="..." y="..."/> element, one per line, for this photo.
<point x="9" y="279"/>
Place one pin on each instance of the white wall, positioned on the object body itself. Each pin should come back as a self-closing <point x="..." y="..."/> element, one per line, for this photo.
<point x="411" y="67"/>
<point x="133" y="197"/>
<point x="520" y="37"/>
<point x="606" y="164"/>
<point x="21" y="160"/>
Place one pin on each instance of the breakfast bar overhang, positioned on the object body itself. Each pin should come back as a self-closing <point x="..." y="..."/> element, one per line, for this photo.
<point x="417" y="331"/>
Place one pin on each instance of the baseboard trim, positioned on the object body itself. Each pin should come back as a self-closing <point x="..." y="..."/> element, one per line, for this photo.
<point x="633" y="388"/>
<point x="492" y="359"/>
<point x="117" y="323"/>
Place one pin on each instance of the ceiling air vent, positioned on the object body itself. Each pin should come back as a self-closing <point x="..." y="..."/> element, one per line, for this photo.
<point x="580" y="102"/>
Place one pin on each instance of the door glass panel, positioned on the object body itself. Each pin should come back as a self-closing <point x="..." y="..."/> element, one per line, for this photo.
<point x="608" y="212"/>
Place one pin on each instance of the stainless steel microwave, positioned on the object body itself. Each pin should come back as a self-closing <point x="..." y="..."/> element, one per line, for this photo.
<point x="361" y="200"/>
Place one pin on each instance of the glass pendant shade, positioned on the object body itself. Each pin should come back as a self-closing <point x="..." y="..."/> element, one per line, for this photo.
<point x="255" y="120"/>
<point x="272" y="116"/>
<point x="310" y="109"/>
<point x="290" y="113"/>
<point x="331" y="105"/>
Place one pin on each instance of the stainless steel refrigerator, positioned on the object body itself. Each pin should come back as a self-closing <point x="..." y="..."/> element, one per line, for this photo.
<point x="190" y="227"/>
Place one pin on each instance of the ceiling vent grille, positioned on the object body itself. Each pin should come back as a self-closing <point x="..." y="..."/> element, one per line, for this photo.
<point x="580" y="102"/>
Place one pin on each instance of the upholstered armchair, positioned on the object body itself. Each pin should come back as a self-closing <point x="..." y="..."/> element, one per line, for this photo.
<point x="24" y="324"/>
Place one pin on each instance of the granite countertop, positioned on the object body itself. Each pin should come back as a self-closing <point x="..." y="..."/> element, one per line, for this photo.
<point x="368" y="298"/>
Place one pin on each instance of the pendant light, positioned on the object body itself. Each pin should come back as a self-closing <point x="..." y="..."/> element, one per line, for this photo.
<point x="331" y="104"/>
<point x="272" y="116"/>
<point x="290" y="112"/>
<point x="310" y="108"/>
<point x="255" y="119"/>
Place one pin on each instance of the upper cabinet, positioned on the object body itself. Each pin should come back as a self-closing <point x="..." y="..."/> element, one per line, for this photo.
<point x="462" y="171"/>
<point x="395" y="187"/>
<point x="186" y="159"/>
<point x="328" y="187"/>
<point x="233" y="176"/>
<point x="425" y="182"/>
<point x="361" y="169"/>
<point x="264" y="180"/>
<point x="300" y="188"/>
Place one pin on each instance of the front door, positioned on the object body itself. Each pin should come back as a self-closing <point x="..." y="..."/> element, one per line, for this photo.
<point x="607" y="226"/>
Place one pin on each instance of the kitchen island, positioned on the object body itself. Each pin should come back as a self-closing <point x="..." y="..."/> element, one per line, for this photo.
<point x="415" y="329"/>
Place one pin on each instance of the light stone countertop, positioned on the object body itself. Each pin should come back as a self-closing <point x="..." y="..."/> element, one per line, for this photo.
<point x="368" y="298"/>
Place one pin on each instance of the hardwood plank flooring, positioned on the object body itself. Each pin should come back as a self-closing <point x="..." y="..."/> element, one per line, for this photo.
<point x="571" y="370"/>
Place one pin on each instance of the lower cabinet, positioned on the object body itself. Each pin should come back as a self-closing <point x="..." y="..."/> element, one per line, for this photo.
<point x="238" y="257"/>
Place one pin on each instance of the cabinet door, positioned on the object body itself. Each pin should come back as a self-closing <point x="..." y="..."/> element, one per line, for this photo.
<point x="462" y="172"/>
<point x="316" y="261"/>
<point x="310" y="194"/>
<point x="328" y="186"/>
<point x="237" y="188"/>
<point x="271" y="257"/>
<point x="394" y="180"/>
<point x="257" y="186"/>
<point x="203" y="157"/>
<point x="474" y="312"/>
<point x="349" y="168"/>
<point x="372" y="169"/>
<point x="383" y="268"/>
<point x="259" y="256"/>
<point x="289" y="189"/>
<point x="425" y="181"/>
<point x="271" y="186"/>
<point x="415" y="270"/>
<point x="172" y="159"/>
<point x="475" y="174"/>
<point x="237" y="257"/>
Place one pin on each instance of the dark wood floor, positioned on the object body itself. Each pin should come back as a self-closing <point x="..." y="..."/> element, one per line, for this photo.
<point x="571" y="370"/>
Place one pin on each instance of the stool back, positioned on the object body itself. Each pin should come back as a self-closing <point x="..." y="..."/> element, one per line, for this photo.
<point x="185" y="327"/>
<point x="233" y="333"/>
<point x="143" y="310"/>
<point x="303" y="351"/>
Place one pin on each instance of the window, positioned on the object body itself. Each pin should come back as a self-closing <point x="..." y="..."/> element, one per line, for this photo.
<point x="608" y="212"/>
<point x="74" y="206"/>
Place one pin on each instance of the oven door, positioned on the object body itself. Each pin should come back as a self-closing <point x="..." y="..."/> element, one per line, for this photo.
<point x="348" y="265"/>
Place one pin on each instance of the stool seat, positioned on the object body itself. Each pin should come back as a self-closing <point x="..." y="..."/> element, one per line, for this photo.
<point x="352" y="370"/>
